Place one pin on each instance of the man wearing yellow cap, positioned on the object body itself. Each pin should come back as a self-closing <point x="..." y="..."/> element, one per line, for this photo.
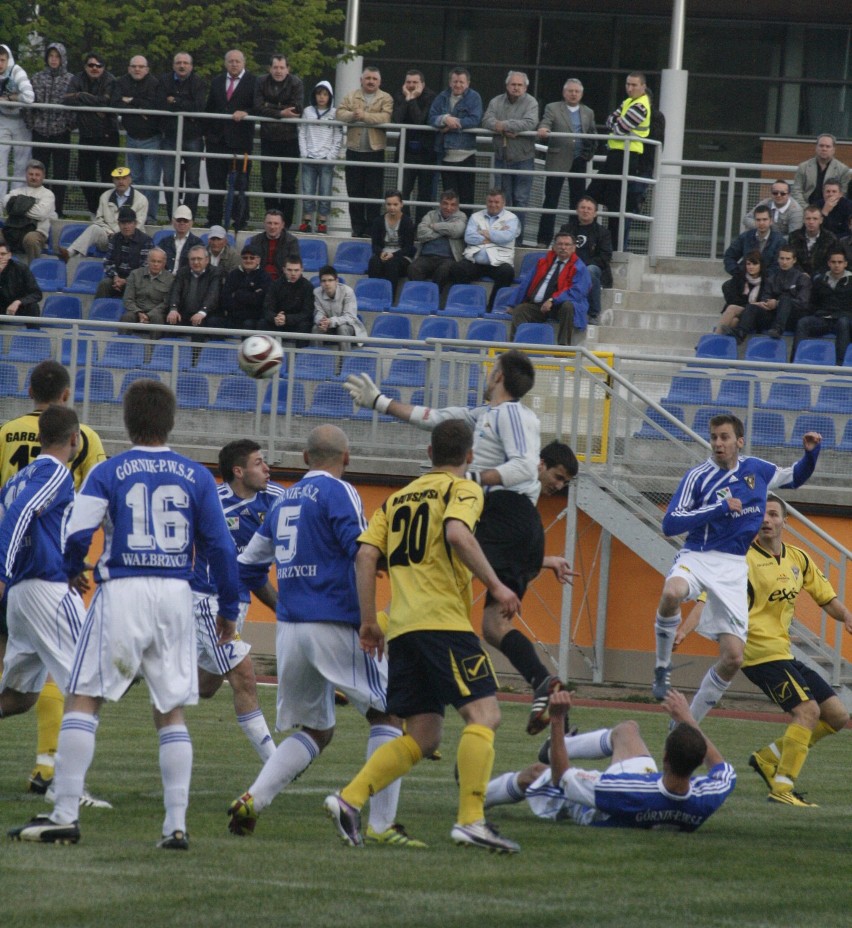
<point x="106" y="218"/>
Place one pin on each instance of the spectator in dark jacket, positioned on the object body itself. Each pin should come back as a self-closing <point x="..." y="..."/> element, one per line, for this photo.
<point x="785" y="299"/>
<point x="747" y="285"/>
<point x="594" y="249"/>
<point x="411" y="105"/>
<point x="177" y="246"/>
<point x="93" y="86"/>
<point x="128" y="249"/>
<point x="19" y="291"/>
<point x="244" y="293"/>
<point x="275" y="244"/>
<point x="831" y="306"/>
<point x="289" y="304"/>
<point x="392" y="237"/>
<point x="812" y="243"/>
<point x="194" y="298"/>
<point x="280" y="96"/>
<point x="762" y="238"/>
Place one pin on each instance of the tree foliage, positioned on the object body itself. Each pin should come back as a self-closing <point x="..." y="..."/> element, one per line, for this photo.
<point x="309" y="32"/>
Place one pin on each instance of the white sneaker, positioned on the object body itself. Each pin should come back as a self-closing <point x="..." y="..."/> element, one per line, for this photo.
<point x="482" y="834"/>
<point x="87" y="799"/>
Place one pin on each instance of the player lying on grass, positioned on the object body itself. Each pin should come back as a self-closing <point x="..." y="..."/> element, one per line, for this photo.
<point x="630" y="793"/>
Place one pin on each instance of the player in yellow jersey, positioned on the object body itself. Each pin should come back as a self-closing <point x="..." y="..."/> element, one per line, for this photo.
<point x="777" y="573"/>
<point x="50" y="385"/>
<point x="424" y="534"/>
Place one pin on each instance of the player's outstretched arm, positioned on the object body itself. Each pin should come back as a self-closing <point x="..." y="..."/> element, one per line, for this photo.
<point x="678" y="708"/>
<point x="470" y="554"/>
<point x="367" y="395"/>
<point x="560" y="703"/>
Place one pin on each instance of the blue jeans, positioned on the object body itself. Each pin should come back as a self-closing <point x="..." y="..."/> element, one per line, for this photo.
<point x="595" y="292"/>
<point x="317" y="180"/>
<point x="516" y="187"/>
<point x="145" y="170"/>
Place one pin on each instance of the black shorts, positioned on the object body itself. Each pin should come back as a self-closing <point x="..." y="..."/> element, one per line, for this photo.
<point x="4" y="628"/>
<point x="511" y="535"/>
<point x="430" y="670"/>
<point x="789" y="683"/>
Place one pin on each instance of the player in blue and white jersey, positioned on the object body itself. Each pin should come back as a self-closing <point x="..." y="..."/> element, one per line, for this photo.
<point x="44" y="615"/>
<point x="631" y="792"/>
<point x="246" y="497"/>
<point x="720" y="505"/>
<point x="154" y="505"/>
<point x="312" y="536"/>
<point x="506" y="456"/>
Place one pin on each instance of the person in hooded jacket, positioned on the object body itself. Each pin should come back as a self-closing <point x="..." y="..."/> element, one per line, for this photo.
<point x="15" y="88"/>
<point x="318" y="143"/>
<point x="51" y="128"/>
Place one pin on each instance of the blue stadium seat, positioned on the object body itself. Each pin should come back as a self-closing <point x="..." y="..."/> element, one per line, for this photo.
<point x="316" y="365"/>
<point x="536" y="333"/>
<point x="767" y="428"/>
<point x="690" y="389"/>
<point x="360" y="362"/>
<point x="808" y="422"/>
<point x="123" y="352"/>
<point x="816" y="351"/>
<point x="735" y="391"/>
<point x="390" y="325"/>
<point x="298" y="402"/>
<point x="163" y="356"/>
<point x="131" y="377"/>
<point x="373" y="294"/>
<point x="487" y="330"/>
<point x="205" y="238"/>
<point x="236" y="393"/>
<point x="418" y="398"/>
<point x="847" y="358"/>
<point x="434" y="327"/>
<point x="764" y="348"/>
<point x="835" y="395"/>
<point x="192" y="390"/>
<point x="86" y="278"/>
<point x="101" y="386"/>
<point x="466" y="300"/>
<point x="70" y="232"/>
<point x="62" y="307"/>
<point x="50" y="273"/>
<point x="106" y="309"/>
<point x="314" y="253"/>
<point x="506" y="297"/>
<point x="845" y="443"/>
<point x="407" y="371"/>
<point x="723" y="347"/>
<point x="391" y="393"/>
<point x="9" y="380"/>
<point x="788" y="393"/>
<point x="86" y="351"/>
<point x="29" y="347"/>
<point x="419" y="297"/>
<point x="464" y="376"/>
<point x="529" y="260"/>
<point x="217" y="359"/>
<point x="162" y="234"/>
<point x="353" y="258"/>
<point x="668" y="428"/>
<point x="330" y="401"/>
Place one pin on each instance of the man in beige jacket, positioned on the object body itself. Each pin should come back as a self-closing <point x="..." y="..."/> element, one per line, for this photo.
<point x="365" y="108"/>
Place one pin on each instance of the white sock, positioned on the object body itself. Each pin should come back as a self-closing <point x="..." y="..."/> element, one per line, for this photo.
<point x="290" y="759"/>
<point x="256" y="730"/>
<point x="383" y="804"/>
<point x="590" y="744"/>
<point x="176" y="772"/>
<point x="712" y="689"/>
<point x="73" y="756"/>
<point x="664" y="629"/>
<point x="503" y="791"/>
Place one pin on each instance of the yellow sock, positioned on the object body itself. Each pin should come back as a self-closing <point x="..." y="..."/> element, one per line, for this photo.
<point x="822" y="730"/>
<point x="475" y="758"/>
<point x="48" y="709"/>
<point x="391" y="761"/>
<point x="794" y="753"/>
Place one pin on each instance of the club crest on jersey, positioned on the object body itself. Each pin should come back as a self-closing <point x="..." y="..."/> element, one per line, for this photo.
<point x="749" y="481"/>
<point x="723" y="493"/>
<point x="233" y="523"/>
<point x="796" y="572"/>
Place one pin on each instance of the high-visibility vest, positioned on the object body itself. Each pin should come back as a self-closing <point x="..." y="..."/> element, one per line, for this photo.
<point x="641" y="131"/>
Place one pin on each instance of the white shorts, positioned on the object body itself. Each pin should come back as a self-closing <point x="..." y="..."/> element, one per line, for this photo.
<point x="724" y="578"/>
<point x="212" y="657"/>
<point x="133" y="624"/>
<point x="314" y="660"/>
<point x="574" y="798"/>
<point x="44" y="619"/>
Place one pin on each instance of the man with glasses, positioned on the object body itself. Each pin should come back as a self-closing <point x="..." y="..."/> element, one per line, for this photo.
<point x="244" y="292"/>
<point x="177" y="246"/>
<point x="786" y="213"/>
<point x="194" y="299"/>
<point x="93" y="87"/>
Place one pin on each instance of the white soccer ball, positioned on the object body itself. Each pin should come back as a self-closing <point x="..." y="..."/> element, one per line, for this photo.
<point x="260" y="356"/>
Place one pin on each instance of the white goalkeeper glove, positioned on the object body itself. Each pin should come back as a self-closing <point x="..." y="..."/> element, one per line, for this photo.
<point x="365" y="393"/>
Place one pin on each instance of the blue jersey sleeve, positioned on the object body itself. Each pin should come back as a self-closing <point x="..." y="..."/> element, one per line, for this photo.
<point x="684" y="514"/>
<point x="216" y="545"/>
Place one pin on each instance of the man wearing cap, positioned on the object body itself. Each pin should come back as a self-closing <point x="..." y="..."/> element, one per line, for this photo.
<point x="177" y="246"/>
<point x="289" y="305"/>
<point x="106" y="217"/>
<point x="34" y="219"/>
<point x="146" y="296"/>
<point x="275" y="244"/>
<point x="128" y="250"/>
<point x="222" y="254"/>
<point x="244" y="292"/>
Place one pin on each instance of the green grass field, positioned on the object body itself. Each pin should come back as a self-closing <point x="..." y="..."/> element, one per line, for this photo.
<point x="752" y="865"/>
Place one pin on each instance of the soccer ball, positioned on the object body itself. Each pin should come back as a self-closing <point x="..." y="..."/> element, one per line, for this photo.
<point x="260" y="356"/>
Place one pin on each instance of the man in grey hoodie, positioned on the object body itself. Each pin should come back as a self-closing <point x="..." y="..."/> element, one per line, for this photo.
<point x="15" y="88"/>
